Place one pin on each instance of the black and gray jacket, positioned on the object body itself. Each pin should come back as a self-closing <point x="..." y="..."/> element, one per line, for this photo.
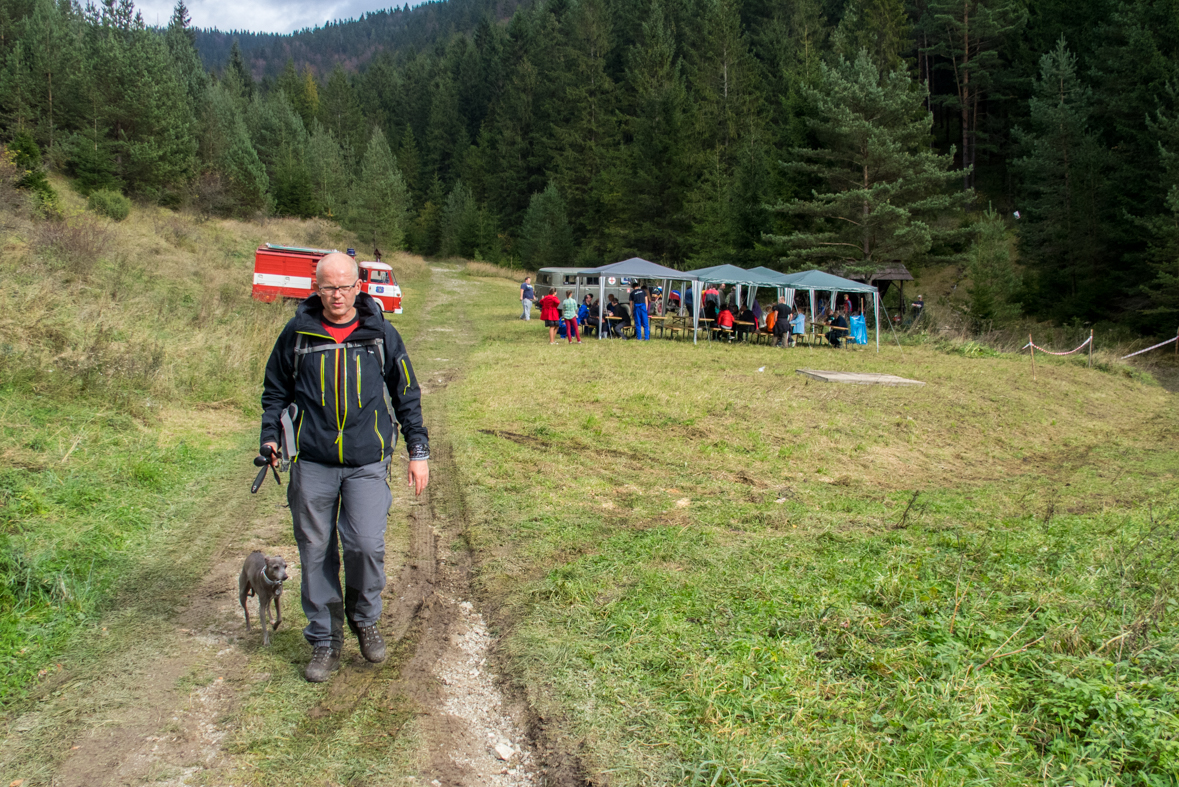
<point x="342" y="418"/>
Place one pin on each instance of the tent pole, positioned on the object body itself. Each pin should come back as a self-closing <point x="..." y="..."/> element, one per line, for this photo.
<point x="663" y="300"/>
<point x="695" y="312"/>
<point x="876" y="317"/>
<point x="601" y="304"/>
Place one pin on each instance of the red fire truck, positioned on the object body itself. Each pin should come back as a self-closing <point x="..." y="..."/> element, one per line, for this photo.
<point x="289" y="272"/>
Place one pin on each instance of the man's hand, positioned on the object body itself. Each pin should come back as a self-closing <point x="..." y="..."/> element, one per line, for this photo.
<point x="275" y="457"/>
<point x="419" y="475"/>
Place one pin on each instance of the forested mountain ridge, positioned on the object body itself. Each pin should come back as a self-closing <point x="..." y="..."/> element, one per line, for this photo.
<point x="855" y="133"/>
<point x="351" y="43"/>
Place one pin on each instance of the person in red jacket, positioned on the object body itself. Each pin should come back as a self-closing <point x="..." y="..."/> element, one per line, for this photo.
<point x="549" y="312"/>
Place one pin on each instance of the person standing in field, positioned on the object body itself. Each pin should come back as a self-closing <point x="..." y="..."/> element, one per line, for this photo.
<point x="781" y="322"/>
<point x="550" y="313"/>
<point x="638" y="302"/>
<point x="569" y="315"/>
<point x="338" y="360"/>
<point x="527" y="296"/>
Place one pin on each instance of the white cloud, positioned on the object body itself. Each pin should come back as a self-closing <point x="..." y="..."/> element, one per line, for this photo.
<point x="261" y="16"/>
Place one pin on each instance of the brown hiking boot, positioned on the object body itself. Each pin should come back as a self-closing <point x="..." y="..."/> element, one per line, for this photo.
<point x="372" y="645"/>
<point x="324" y="660"/>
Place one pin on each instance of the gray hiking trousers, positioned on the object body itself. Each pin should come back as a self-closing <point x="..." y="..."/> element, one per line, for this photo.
<point x="336" y="507"/>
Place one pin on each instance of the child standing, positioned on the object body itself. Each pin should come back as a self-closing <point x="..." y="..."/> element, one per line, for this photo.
<point x="550" y="313"/>
<point x="569" y="314"/>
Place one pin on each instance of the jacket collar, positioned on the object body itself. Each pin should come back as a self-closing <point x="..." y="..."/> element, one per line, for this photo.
<point x="309" y="317"/>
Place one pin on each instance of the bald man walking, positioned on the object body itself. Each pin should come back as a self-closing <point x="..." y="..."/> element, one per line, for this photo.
<point x="337" y="360"/>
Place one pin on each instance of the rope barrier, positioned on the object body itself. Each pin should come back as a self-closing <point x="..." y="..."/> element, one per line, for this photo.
<point x="1070" y="352"/>
<point x="1148" y="349"/>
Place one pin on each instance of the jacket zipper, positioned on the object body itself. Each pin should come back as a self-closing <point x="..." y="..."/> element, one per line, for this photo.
<point x="377" y="429"/>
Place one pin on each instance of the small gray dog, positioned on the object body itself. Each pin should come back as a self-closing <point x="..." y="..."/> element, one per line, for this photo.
<point x="262" y="577"/>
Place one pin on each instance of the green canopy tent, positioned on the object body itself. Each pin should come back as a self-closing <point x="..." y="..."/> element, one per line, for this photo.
<point x="828" y="282"/>
<point x="751" y="280"/>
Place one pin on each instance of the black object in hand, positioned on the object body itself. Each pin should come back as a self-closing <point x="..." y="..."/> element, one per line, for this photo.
<point x="263" y="461"/>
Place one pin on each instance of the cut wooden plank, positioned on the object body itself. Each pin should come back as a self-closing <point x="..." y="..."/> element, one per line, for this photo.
<point x="856" y="378"/>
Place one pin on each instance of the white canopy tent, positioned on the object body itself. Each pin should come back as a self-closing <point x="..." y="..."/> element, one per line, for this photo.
<point x="636" y="268"/>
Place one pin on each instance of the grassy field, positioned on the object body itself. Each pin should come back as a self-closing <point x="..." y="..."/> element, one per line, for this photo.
<point x="706" y="569"/>
<point x="712" y="574"/>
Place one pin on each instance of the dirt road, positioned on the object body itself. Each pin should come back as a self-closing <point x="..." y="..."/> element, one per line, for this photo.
<point x="171" y="690"/>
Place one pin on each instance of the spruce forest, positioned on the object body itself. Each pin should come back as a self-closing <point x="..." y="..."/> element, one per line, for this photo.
<point x="1034" y="144"/>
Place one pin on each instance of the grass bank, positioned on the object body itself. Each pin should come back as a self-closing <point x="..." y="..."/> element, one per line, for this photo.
<point x="714" y="574"/>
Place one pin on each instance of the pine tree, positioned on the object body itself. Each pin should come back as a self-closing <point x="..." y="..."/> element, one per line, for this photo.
<point x="328" y="172"/>
<point x="993" y="280"/>
<point x="340" y="113"/>
<point x="1063" y="172"/>
<point x="730" y="121"/>
<point x="965" y="35"/>
<point x="879" y="27"/>
<point x="236" y="69"/>
<point x="16" y="89"/>
<point x="236" y="180"/>
<point x="379" y="208"/>
<point x="426" y="230"/>
<point x="306" y="102"/>
<point x="409" y="161"/>
<point x="460" y="223"/>
<point x="884" y="197"/>
<point x="658" y="172"/>
<point x="281" y="142"/>
<point x="1163" y="254"/>
<point x="446" y="135"/>
<point x="181" y="41"/>
<point x="51" y="62"/>
<point x="587" y="133"/>
<point x="545" y="237"/>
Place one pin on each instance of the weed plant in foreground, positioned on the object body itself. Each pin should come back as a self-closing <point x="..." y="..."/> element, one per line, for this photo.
<point x="715" y="575"/>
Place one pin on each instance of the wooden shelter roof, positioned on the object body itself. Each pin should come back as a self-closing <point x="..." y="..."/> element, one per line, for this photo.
<point x="894" y="272"/>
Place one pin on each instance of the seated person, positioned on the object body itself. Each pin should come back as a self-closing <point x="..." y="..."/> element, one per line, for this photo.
<point x="724" y="319"/>
<point x="746" y="315"/>
<point x="839" y="329"/>
<point x="797" y="325"/>
<point x="757" y="313"/>
<point x="616" y="309"/>
<point x="587" y="316"/>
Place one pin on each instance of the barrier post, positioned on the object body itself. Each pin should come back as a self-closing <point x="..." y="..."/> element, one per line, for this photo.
<point x="1090" y="348"/>
<point x="1032" y="347"/>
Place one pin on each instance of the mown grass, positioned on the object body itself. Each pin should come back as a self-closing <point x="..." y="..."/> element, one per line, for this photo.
<point x="711" y="574"/>
<point x="112" y="338"/>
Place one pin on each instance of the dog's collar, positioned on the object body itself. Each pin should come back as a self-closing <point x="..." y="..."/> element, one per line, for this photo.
<point x="268" y="580"/>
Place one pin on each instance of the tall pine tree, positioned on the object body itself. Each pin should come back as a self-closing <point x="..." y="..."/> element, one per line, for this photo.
<point x="1063" y="174"/>
<point x="884" y="197"/>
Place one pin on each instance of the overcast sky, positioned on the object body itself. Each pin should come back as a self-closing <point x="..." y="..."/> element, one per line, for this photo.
<point x="261" y="16"/>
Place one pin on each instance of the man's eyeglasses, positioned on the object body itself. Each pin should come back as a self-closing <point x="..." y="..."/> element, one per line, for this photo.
<point x="328" y="292"/>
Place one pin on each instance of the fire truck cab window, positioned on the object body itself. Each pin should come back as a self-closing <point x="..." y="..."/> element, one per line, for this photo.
<point x="379" y="277"/>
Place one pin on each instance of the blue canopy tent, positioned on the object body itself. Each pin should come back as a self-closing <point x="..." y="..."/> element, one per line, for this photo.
<point x="829" y="282"/>
<point x="636" y="268"/>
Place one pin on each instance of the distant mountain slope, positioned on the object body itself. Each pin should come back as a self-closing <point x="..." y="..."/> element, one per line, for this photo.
<point x="351" y="42"/>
